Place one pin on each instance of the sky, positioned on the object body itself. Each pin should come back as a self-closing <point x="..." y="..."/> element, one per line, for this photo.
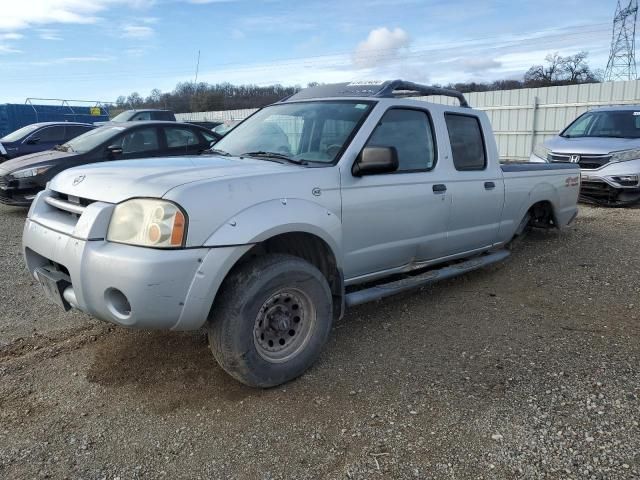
<point x="97" y="50"/>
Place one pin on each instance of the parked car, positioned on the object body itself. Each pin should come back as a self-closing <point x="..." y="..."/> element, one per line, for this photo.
<point x="339" y="195"/>
<point x="141" y="115"/>
<point x="22" y="178"/>
<point x="38" y="137"/>
<point x="605" y="143"/>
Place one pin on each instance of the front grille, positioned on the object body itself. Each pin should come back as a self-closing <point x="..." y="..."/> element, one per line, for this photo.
<point x="587" y="162"/>
<point x="599" y="192"/>
<point x="68" y="204"/>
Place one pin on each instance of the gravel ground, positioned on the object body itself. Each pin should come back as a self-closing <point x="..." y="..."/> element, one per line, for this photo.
<point x="528" y="369"/>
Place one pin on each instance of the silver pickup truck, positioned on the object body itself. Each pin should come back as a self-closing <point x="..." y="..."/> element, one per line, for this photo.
<point x="339" y="195"/>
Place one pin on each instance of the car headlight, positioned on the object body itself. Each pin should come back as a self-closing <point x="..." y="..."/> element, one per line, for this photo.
<point x="542" y="152"/>
<point x="625" y="155"/>
<point x="625" y="180"/>
<point x="30" y="172"/>
<point x="149" y="223"/>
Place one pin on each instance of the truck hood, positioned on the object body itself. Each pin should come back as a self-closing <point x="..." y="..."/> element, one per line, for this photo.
<point x="116" y="181"/>
<point x="591" y="145"/>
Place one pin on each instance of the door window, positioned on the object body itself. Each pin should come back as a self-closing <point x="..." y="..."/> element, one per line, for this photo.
<point x="410" y="133"/>
<point x="180" y="137"/>
<point x="139" y="140"/>
<point x="142" y="116"/>
<point x="74" y="131"/>
<point x="50" y="135"/>
<point x="467" y="142"/>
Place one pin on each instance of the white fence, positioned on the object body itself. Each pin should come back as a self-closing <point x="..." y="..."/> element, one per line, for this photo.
<point x="520" y="118"/>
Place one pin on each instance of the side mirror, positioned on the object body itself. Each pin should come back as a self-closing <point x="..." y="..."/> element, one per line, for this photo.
<point x="114" y="150"/>
<point x="375" y="160"/>
<point x="32" y="140"/>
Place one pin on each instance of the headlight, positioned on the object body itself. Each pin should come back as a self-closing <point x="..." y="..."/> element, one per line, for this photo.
<point x="625" y="155"/>
<point x="30" y="172"/>
<point x="542" y="152"/>
<point x="148" y="223"/>
<point x="625" y="180"/>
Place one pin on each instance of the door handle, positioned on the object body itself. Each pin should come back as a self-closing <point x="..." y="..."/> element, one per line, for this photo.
<point x="489" y="185"/>
<point x="439" y="188"/>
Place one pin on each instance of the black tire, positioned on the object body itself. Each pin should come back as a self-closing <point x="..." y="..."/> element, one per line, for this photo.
<point x="277" y="286"/>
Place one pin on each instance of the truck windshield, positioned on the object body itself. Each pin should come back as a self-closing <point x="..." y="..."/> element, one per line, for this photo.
<point x="314" y="132"/>
<point x="611" y="124"/>
<point x="91" y="139"/>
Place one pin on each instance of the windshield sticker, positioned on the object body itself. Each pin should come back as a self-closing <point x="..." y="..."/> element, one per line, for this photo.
<point x="361" y="106"/>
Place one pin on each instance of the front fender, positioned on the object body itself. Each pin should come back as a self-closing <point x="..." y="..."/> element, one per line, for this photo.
<point x="274" y="217"/>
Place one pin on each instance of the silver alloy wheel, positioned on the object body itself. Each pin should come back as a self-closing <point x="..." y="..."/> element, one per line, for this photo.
<point x="284" y="325"/>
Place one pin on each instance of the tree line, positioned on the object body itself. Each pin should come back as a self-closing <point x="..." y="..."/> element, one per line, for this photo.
<point x="201" y="97"/>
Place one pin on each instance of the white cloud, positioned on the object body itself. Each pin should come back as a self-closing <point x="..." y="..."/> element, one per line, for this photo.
<point x="21" y="14"/>
<point x="477" y="65"/>
<point x="68" y="60"/>
<point x="137" y="31"/>
<point x="381" y="46"/>
<point x="4" y="49"/>
<point x="11" y="36"/>
<point x="49" y="34"/>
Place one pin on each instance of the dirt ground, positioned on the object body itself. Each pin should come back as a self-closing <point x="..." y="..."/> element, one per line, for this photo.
<point x="527" y="369"/>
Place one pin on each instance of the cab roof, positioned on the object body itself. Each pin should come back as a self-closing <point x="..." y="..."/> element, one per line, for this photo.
<point x="369" y="89"/>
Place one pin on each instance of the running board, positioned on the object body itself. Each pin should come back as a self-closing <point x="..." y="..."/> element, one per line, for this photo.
<point x="387" y="289"/>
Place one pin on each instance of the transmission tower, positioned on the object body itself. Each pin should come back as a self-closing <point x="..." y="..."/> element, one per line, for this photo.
<point x="622" y="61"/>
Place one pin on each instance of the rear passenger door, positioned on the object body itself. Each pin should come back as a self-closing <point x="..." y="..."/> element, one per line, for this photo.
<point x="475" y="185"/>
<point x="182" y="140"/>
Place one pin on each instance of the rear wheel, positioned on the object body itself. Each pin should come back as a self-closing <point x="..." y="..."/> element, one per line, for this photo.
<point x="271" y="320"/>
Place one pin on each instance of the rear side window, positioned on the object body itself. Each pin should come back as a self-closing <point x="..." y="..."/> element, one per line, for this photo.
<point x="50" y="134"/>
<point x="74" y="131"/>
<point x="180" y="137"/>
<point x="164" y="116"/>
<point x="467" y="142"/>
<point x="410" y="133"/>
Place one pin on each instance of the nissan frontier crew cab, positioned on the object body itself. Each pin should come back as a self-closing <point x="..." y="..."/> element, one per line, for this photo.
<point x="338" y="195"/>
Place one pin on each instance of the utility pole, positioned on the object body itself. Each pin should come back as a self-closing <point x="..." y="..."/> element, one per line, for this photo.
<point x="197" y="68"/>
<point x="622" y="60"/>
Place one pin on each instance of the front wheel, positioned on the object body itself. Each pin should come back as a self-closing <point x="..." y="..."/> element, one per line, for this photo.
<point x="271" y="320"/>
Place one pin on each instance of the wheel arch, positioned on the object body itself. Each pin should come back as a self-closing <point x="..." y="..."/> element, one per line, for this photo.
<point x="302" y="244"/>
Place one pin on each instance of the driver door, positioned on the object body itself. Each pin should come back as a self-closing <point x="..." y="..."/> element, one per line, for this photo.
<point x="394" y="220"/>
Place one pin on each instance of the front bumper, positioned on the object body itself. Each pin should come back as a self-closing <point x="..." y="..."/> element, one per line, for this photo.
<point x="162" y="289"/>
<point x="600" y="186"/>
<point x="17" y="192"/>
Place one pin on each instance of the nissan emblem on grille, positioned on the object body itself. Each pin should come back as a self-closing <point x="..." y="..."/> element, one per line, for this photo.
<point x="575" y="159"/>
<point x="79" y="179"/>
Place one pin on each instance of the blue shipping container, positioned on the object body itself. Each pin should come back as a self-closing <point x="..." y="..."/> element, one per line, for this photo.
<point x="14" y="115"/>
